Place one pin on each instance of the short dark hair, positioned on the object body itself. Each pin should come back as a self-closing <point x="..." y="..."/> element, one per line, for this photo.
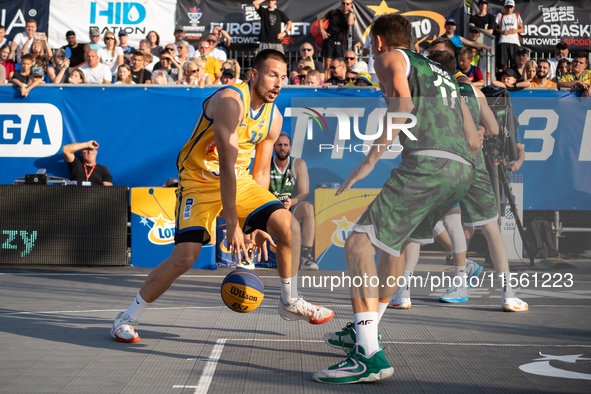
<point x="138" y="53"/>
<point x="544" y="61"/>
<point x="580" y="55"/>
<point x="284" y="134"/>
<point x="563" y="61"/>
<point x="444" y="58"/>
<point x="265" y="54"/>
<point x="395" y="29"/>
<point x="449" y="45"/>
<point x="29" y="57"/>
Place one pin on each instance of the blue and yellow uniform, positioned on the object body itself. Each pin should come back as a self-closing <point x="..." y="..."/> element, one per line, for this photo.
<point x="198" y="194"/>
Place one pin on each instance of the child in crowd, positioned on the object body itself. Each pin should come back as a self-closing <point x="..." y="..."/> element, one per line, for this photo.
<point x="508" y="80"/>
<point x="471" y="71"/>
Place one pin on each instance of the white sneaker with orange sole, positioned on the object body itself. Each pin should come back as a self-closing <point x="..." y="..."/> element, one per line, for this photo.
<point x="123" y="330"/>
<point x="514" y="305"/>
<point x="300" y="309"/>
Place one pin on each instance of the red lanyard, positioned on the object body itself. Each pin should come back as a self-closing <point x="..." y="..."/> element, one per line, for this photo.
<point x="86" y="171"/>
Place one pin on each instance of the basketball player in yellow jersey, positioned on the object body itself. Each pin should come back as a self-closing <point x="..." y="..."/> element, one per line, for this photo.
<point x="213" y="175"/>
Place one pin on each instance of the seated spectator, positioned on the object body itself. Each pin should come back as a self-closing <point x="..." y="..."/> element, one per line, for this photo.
<point x="450" y="28"/>
<point x="7" y="62"/>
<point x="247" y="73"/>
<point x="359" y="67"/>
<point x="307" y="50"/>
<point x="124" y="75"/>
<point x="542" y="73"/>
<point x="154" y="43"/>
<point x="160" y="79"/>
<point x="22" y="79"/>
<point x="234" y="65"/>
<point x="144" y="46"/>
<point x="168" y="65"/>
<point x="350" y="78"/>
<point x="521" y="57"/>
<point x="338" y="71"/>
<point x="95" y="37"/>
<point x="87" y="170"/>
<point x="3" y="39"/>
<point x="466" y="67"/>
<point x="183" y="52"/>
<point x="94" y="71"/>
<point x="190" y="74"/>
<point x="77" y="51"/>
<point x="150" y="61"/>
<point x="228" y="77"/>
<point x="562" y="67"/>
<point x="212" y="65"/>
<point x="313" y="78"/>
<point x="58" y="71"/>
<point x="364" y="79"/>
<point x="76" y="77"/>
<point x="306" y="62"/>
<point x="127" y="50"/>
<point x="139" y="74"/>
<point x="41" y="52"/>
<point x="303" y="73"/>
<point x="213" y="50"/>
<point x="24" y="39"/>
<point x="111" y="55"/>
<point x="508" y="80"/>
<point x="179" y="35"/>
<point x="350" y="59"/>
<point x="530" y="70"/>
<point x="579" y="77"/>
<point x="204" y="78"/>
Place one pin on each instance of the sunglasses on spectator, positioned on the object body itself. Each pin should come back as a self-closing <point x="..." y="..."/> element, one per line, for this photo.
<point x="307" y="49"/>
<point x="109" y="38"/>
<point x="343" y="3"/>
<point x="191" y="71"/>
<point x="203" y="47"/>
<point x="210" y="40"/>
<point x="350" y="58"/>
<point x="351" y="79"/>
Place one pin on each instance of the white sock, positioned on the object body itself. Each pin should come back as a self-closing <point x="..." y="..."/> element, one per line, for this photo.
<point x="286" y="289"/>
<point x="366" y="325"/>
<point x="381" y="309"/>
<point x="507" y="289"/>
<point x="407" y="274"/>
<point x="137" y="307"/>
<point x="294" y="287"/>
<point x="460" y="272"/>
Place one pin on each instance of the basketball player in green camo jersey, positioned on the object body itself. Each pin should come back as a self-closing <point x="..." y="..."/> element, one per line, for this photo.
<point x="435" y="173"/>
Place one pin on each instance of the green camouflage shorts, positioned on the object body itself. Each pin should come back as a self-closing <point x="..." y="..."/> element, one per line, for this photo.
<point x="479" y="205"/>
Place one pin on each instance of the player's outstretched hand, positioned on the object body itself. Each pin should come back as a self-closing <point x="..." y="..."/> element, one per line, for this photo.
<point x="358" y="174"/>
<point x="235" y="238"/>
<point x="259" y="241"/>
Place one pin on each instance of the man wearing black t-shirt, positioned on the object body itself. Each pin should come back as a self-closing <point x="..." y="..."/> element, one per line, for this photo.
<point x="78" y="52"/>
<point x="271" y="18"/>
<point x="86" y="169"/>
<point x="484" y="19"/>
<point x="335" y="35"/>
<point x="138" y="73"/>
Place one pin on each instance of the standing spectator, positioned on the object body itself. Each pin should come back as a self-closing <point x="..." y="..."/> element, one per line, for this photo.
<point x="78" y="52"/>
<point x="307" y="50"/>
<point x="154" y="41"/>
<point x="509" y="25"/>
<point x="7" y="62"/>
<point x="76" y="77"/>
<point x="560" y="52"/>
<point x="59" y="71"/>
<point x="474" y="35"/>
<point x="271" y="34"/>
<point x="179" y="35"/>
<point x="338" y="71"/>
<point x="234" y="65"/>
<point x="24" y="39"/>
<point x="94" y="71"/>
<point x="213" y="50"/>
<point x="521" y="58"/>
<point x="466" y="67"/>
<point x="223" y="38"/>
<point x="124" y="75"/>
<point x="95" y="37"/>
<point x="450" y="32"/>
<point x="228" y="77"/>
<point x="87" y="169"/>
<point x="350" y="59"/>
<point x="127" y="50"/>
<point x="579" y="77"/>
<point x="111" y="55"/>
<point x="139" y="75"/>
<point x="530" y="70"/>
<point x="312" y="78"/>
<point x="483" y="19"/>
<point x="335" y="35"/>
<point x="166" y="65"/>
<point x="541" y="79"/>
<point x="212" y="65"/>
<point x="562" y="68"/>
<point x="183" y="51"/>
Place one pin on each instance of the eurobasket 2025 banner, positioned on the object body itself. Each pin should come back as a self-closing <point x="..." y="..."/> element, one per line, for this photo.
<point x="548" y="22"/>
<point x="241" y="21"/>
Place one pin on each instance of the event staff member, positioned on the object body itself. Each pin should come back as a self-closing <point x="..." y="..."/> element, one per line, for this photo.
<point x="271" y="18"/>
<point x="335" y="35"/>
<point x="87" y="169"/>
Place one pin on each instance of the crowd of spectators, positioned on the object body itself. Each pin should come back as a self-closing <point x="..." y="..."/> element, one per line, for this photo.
<point x="114" y="61"/>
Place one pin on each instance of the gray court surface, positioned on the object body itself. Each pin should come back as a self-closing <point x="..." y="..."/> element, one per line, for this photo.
<point x="55" y="322"/>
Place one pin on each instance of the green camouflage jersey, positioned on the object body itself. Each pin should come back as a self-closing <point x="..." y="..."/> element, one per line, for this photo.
<point x="440" y="124"/>
<point x="282" y="184"/>
<point x="469" y="96"/>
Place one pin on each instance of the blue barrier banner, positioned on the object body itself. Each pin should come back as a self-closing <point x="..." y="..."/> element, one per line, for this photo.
<point x="141" y="130"/>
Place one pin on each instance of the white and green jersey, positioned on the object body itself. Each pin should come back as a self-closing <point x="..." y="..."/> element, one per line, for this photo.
<point x="282" y="184"/>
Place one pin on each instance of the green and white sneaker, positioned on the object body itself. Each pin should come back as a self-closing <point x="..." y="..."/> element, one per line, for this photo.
<point x="344" y="339"/>
<point x="357" y="368"/>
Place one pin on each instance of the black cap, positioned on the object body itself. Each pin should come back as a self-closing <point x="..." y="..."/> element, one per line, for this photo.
<point x="510" y="72"/>
<point x="70" y="33"/>
<point x="474" y="28"/>
<point x="483" y="2"/>
<point x="522" y="50"/>
<point x="562" y="44"/>
<point x="122" y="33"/>
<point x="230" y="72"/>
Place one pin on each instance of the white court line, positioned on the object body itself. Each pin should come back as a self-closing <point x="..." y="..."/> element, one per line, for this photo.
<point x="210" y="366"/>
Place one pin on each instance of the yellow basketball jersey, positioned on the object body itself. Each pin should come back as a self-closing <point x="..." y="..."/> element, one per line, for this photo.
<point x="199" y="160"/>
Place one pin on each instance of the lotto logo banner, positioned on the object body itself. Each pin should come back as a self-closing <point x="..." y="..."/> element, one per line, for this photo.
<point x="335" y="218"/>
<point x="137" y="18"/>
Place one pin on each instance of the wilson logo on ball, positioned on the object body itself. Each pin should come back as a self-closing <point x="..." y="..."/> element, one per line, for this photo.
<point x="242" y="291"/>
